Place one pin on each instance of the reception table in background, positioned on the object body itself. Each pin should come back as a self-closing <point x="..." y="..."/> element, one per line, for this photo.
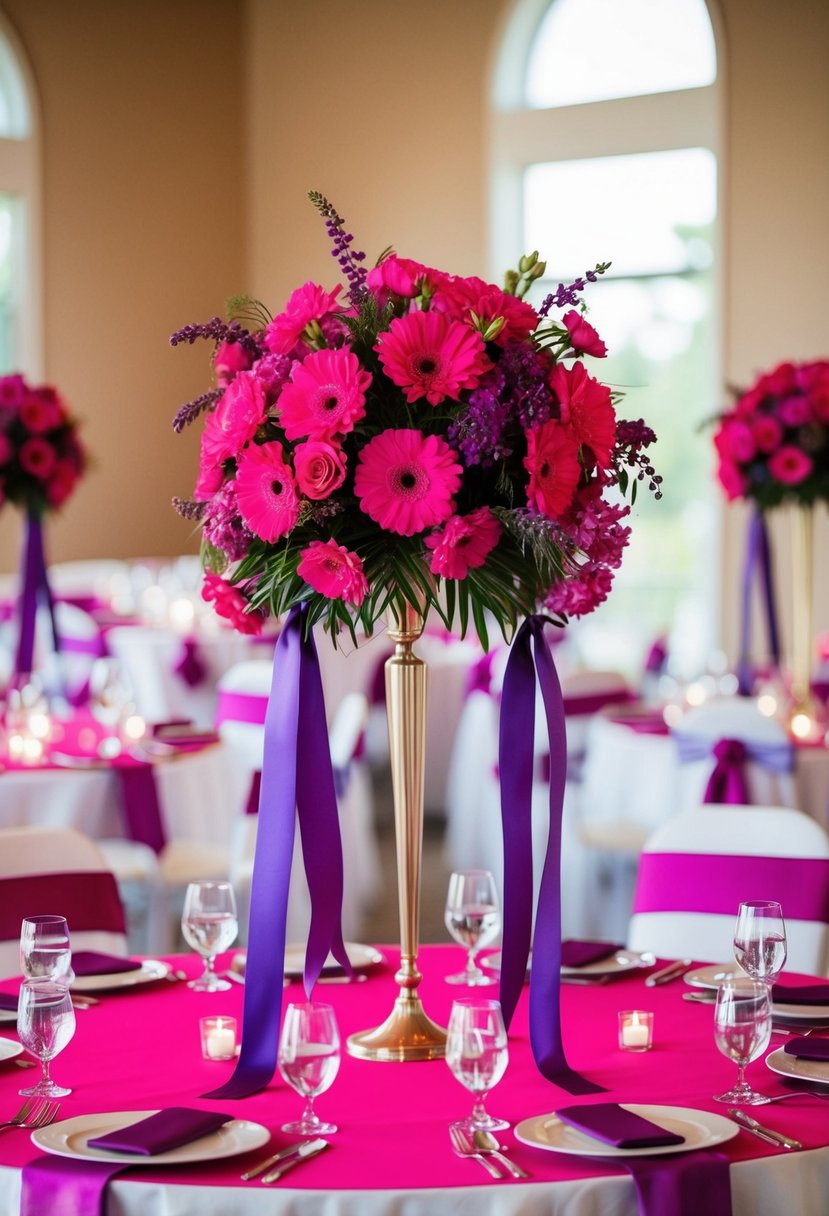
<point x="139" y="1049"/>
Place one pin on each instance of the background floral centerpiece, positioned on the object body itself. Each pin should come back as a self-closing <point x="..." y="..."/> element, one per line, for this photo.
<point x="426" y="438"/>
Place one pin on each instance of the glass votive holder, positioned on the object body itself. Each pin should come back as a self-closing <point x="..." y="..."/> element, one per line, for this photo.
<point x="218" y="1038"/>
<point x="635" y="1030"/>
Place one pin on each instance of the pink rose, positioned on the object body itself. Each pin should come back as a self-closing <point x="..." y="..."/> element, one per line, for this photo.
<point x="333" y="571"/>
<point x="583" y="336"/>
<point x="766" y="432"/>
<point x="734" y="441"/>
<point x="319" y="468"/>
<point x="794" y="410"/>
<point x="396" y="276"/>
<point x="789" y="465"/>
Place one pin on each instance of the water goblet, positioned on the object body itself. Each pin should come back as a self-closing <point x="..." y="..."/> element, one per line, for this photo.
<point x="742" y="1029"/>
<point x="473" y="919"/>
<point x="45" y="1024"/>
<point x="309" y="1059"/>
<point x="46" y="949"/>
<point x="209" y="925"/>
<point x="760" y="939"/>
<point x="477" y="1054"/>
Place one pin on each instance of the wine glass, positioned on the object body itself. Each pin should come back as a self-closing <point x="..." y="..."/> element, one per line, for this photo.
<point x="45" y="1024"/>
<point x="45" y="949"/>
<point x="742" y="1029"/>
<point x="309" y="1059"/>
<point x="760" y="939"/>
<point x="473" y="919"/>
<point x="209" y="925"/>
<point x="477" y="1053"/>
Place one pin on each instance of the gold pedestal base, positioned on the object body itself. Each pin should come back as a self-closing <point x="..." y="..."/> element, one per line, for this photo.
<point x="407" y="1034"/>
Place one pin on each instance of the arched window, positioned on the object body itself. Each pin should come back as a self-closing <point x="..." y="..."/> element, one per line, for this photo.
<point x="605" y="140"/>
<point x="19" y="213"/>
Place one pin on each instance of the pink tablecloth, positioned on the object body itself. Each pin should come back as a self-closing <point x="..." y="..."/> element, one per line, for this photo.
<point x="139" y="1049"/>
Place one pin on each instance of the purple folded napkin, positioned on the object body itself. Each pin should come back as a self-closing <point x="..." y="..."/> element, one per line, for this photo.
<point x="801" y="994"/>
<point x="8" y="1001"/>
<point x="162" y="1132"/>
<point x="94" y="962"/>
<point x="807" y="1048"/>
<point x="576" y="953"/>
<point x="612" y="1124"/>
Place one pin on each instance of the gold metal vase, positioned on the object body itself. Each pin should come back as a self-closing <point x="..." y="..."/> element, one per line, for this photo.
<point x="407" y="1033"/>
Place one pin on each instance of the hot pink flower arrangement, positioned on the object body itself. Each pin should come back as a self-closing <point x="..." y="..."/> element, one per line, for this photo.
<point x="773" y="445"/>
<point x="424" y="438"/>
<point x="41" y="456"/>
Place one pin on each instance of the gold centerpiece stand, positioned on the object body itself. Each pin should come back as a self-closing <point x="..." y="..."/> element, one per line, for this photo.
<point x="408" y="1033"/>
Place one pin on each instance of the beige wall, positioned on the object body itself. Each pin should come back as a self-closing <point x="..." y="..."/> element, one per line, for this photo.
<point x="180" y="139"/>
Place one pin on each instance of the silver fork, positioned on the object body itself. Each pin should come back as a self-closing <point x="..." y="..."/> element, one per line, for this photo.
<point x="45" y="1116"/>
<point x="464" y="1148"/>
<point x="34" y="1114"/>
<point x="18" y="1119"/>
<point x="795" y="1093"/>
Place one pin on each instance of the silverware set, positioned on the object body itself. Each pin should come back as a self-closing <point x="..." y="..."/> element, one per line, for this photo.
<point x="673" y="971"/>
<point x="34" y="1113"/>
<point x="750" y="1124"/>
<point x="272" y="1168"/>
<point x="485" y="1148"/>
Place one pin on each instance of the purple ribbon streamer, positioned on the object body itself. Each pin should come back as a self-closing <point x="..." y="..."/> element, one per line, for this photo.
<point x="515" y="759"/>
<point x="54" y="1186"/>
<point x="728" y="782"/>
<point x="297" y="782"/>
<point x="35" y="589"/>
<point x="757" y="561"/>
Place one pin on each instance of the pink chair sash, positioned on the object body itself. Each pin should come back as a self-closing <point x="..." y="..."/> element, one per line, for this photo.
<point x="88" y="899"/>
<point x="241" y="707"/>
<point x="717" y="882"/>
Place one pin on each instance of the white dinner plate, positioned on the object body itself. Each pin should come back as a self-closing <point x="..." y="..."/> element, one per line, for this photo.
<point x="69" y="1139"/>
<point x="8" y="1015"/>
<point x="151" y="969"/>
<point x="614" y="964"/>
<point x="9" y="1049"/>
<point x="817" y="1015"/>
<point x="803" y="1070"/>
<point x="712" y="976"/>
<point x="700" y="1129"/>
<point x="361" y="957"/>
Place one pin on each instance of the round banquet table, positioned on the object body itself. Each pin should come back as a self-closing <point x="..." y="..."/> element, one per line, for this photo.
<point x="139" y="1050"/>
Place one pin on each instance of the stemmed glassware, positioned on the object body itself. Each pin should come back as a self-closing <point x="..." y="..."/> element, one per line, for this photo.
<point x="760" y="940"/>
<point x="45" y="1024"/>
<point x="477" y="1054"/>
<point x="309" y="1059"/>
<point x="209" y="924"/>
<point x="45" y="949"/>
<point x="473" y="919"/>
<point x="742" y="1029"/>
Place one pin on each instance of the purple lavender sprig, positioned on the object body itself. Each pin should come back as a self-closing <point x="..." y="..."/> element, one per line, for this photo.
<point x="190" y="412"/>
<point x="568" y="297"/>
<point x="217" y="331"/>
<point x="349" y="259"/>
<point x="187" y="508"/>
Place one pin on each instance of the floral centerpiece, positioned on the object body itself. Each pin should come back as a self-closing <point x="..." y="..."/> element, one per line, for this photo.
<point x="773" y="449"/>
<point x="422" y="442"/>
<point x="41" y="461"/>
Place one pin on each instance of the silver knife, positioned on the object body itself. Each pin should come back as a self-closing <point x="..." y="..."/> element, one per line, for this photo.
<point x="764" y="1133"/>
<point x="672" y="972"/>
<point x="306" y="1152"/>
<point x="282" y="1155"/>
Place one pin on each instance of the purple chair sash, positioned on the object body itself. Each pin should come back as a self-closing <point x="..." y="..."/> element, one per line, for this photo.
<point x="530" y="656"/>
<point x="88" y="899"/>
<point x="139" y="802"/>
<point x="717" y="882"/>
<point x="241" y="707"/>
<point x="728" y="781"/>
<point x="757" y="563"/>
<point x="581" y="704"/>
<point x="297" y="783"/>
<point x="190" y="666"/>
<point x="56" y="1186"/>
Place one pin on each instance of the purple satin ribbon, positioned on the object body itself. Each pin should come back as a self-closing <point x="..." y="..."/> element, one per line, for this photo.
<point x="682" y="1186"/>
<point x="88" y="899"/>
<point x="190" y="666"/>
<point x="56" y="1186"/>
<point x="530" y="655"/>
<point x="241" y="707"/>
<point x="139" y="802"/>
<point x="716" y="883"/>
<point x="35" y="589"/>
<point x="757" y="563"/>
<point x="728" y="782"/>
<point x="297" y="783"/>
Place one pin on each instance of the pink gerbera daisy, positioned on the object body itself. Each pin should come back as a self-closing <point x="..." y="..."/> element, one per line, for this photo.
<point x="429" y="355"/>
<point x="405" y="480"/>
<point x="790" y="465"/>
<point x="463" y="543"/>
<point x="265" y="491"/>
<point x="309" y="303"/>
<point x="234" y="421"/>
<point x="552" y="462"/>
<point x="38" y="457"/>
<point x="334" y="571"/>
<point x="326" y="395"/>
<point x="586" y="407"/>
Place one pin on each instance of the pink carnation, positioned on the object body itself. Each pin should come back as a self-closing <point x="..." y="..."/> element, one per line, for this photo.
<point x="333" y="571"/>
<point x="406" y="480"/>
<point x="265" y="492"/>
<point x="459" y="297"/>
<point x="37" y="457"/>
<point x="585" y="405"/>
<point x="790" y="465"/>
<point x="463" y="543"/>
<point x="552" y="461"/>
<point x="209" y="479"/>
<point x="230" y="604"/>
<point x="320" y="468"/>
<point x="429" y="355"/>
<point x="583" y="336"/>
<point x="325" y="397"/>
<point x="309" y="303"/>
<point x="734" y="441"/>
